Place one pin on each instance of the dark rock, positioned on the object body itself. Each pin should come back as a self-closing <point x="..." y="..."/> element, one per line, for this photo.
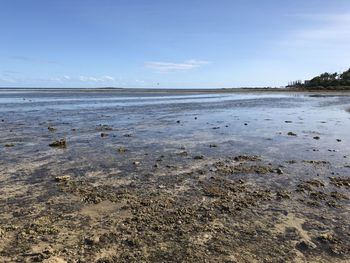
<point x="283" y="195"/>
<point x="305" y="245"/>
<point x="104" y="134"/>
<point x="62" y="143"/>
<point x="339" y="181"/>
<point x="241" y="158"/>
<point x="279" y="171"/>
<point x="63" y="178"/>
<point x="122" y="150"/>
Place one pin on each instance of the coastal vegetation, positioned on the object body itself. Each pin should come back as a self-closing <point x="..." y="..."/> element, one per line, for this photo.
<point x="325" y="81"/>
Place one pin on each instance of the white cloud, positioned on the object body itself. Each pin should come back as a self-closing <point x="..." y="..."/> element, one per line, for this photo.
<point x="96" y="79"/>
<point x="108" y="78"/>
<point x="60" y="80"/>
<point x="165" y="67"/>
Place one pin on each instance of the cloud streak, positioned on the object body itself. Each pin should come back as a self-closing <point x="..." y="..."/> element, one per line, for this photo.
<point x="326" y="30"/>
<point x="32" y="60"/>
<point x="97" y="79"/>
<point x="167" y="67"/>
<point x="7" y="78"/>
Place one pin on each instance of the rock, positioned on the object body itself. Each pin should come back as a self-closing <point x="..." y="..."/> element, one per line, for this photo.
<point x="51" y="129"/>
<point x="48" y="251"/>
<point x="92" y="199"/>
<point x="317" y="138"/>
<point x="241" y="158"/>
<point x="305" y="245"/>
<point x="104" y="127"/>
<point x="338" y="196"/>
<point x="122" y="150"/>
<point x="340" y="181"/>
<point x="338" y="140"/>
<point x="326" y="237"/>
<point x="104" y="134"/>
<point x="177" y="121"/>
<point x="213" y="145"/>
<point x="316" y="162"/>
<point x="279" y="171"/>
<point x="62" y="143"/>
<point x="198" y="157"/>
<point x="63" y="178"/>
<point x="54" y="260"/>
<point x="288" y="121"/>
<point x="291" y="134"/>
<point x="8" y="145"/>
<point x="2" y="233"/>
<point x="136" y="163"/>
<point x="283" y="195"/>
<point x="91" y="241"/>
<point x="183" y="153"/>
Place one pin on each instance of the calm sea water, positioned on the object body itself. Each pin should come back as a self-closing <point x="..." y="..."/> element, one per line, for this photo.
<point x="237" y="122"/>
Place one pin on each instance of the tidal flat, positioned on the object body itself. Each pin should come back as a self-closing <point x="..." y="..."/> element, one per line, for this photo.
<point x="147" y="176"/>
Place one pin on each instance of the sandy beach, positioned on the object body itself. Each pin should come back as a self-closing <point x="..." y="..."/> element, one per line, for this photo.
<point x="174" y="176"/>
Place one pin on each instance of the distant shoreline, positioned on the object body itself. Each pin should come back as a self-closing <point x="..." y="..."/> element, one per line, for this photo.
<point x="176" y="90"/>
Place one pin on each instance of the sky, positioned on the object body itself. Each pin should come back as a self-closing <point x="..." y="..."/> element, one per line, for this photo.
<point x="171" y="44"/>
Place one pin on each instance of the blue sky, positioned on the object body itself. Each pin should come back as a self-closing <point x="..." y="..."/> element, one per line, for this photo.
<point x="171" y="44"/>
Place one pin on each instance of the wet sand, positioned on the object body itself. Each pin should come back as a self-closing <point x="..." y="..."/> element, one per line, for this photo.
<point x="174" y="176"/>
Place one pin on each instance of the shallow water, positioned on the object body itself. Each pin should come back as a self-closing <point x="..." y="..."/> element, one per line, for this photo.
<point x="252" y="122"/>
